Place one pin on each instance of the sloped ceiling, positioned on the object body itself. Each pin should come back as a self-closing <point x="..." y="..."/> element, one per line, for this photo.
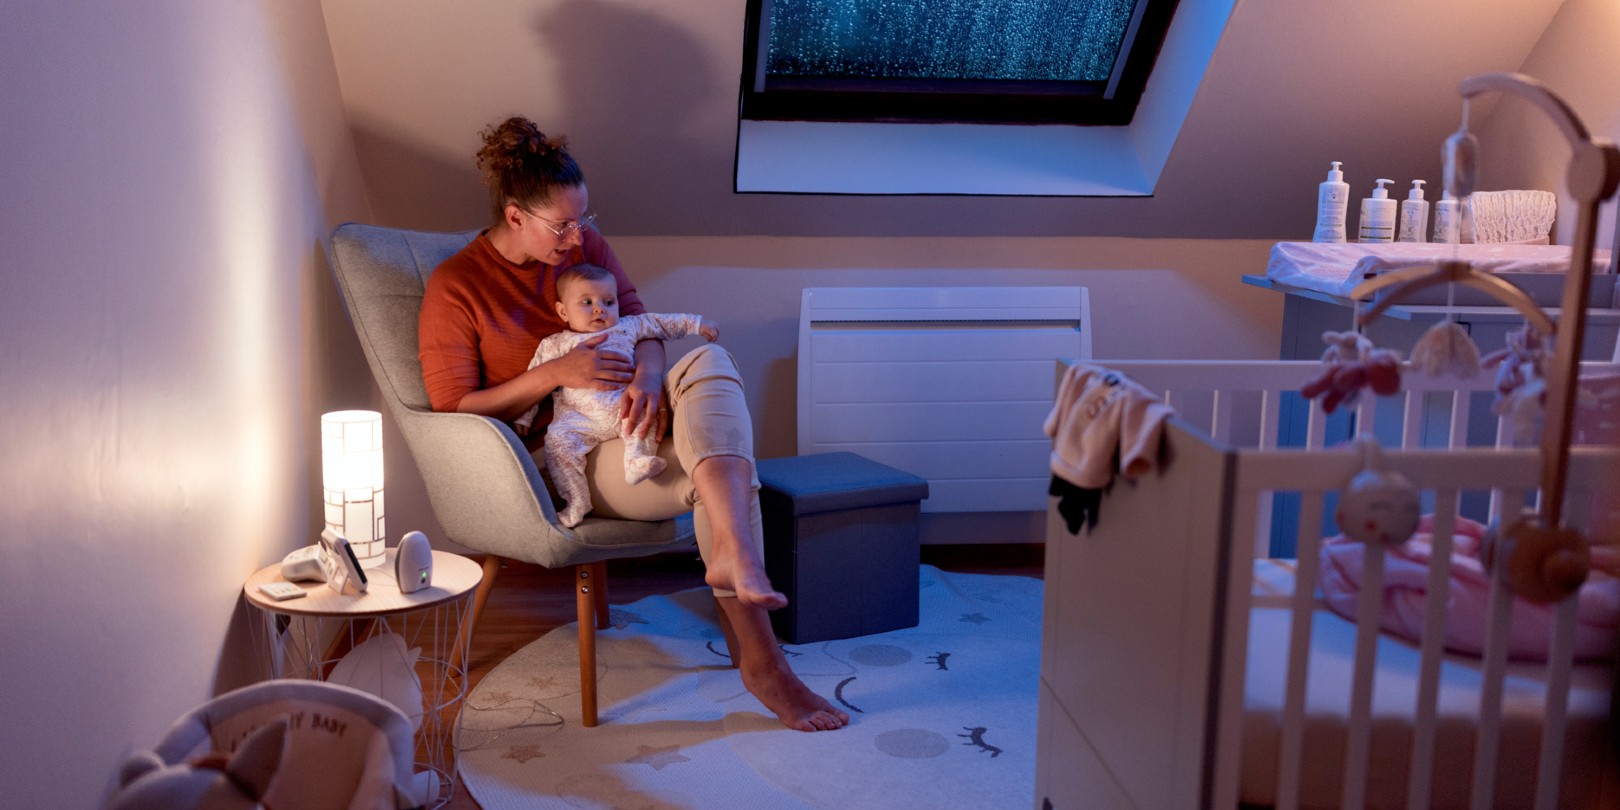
<point x="646" y="92"/>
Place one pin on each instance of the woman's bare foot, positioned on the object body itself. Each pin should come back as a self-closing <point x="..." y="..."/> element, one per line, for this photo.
<point x="790" y="700"/>
<point x="747" y="581"/>
<point x="765" y="672"/>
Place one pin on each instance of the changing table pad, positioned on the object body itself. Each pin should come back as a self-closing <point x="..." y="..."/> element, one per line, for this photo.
<point x="1337" y="267"/>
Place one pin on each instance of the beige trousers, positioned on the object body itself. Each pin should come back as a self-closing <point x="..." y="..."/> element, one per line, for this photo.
<point x="709" y="417"/>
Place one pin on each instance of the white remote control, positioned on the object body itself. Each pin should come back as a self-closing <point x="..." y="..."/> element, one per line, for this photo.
<point x="281" y="591"/>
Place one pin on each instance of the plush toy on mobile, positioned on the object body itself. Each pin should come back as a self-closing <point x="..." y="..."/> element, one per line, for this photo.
<point x="1351" y="365"/>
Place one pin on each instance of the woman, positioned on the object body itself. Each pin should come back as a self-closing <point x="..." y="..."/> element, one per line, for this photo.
<point x="487" y="308"/>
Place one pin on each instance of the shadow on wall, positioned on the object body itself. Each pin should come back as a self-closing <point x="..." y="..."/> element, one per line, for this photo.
<point x="631" y="88"/>
<point x="412" y="187"/>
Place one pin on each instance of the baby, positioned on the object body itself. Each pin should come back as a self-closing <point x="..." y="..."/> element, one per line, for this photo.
<point x="587" y="298"/>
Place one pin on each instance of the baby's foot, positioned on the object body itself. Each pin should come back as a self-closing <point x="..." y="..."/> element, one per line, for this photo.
<point x="571" y="515"/>
<point x="637" y="470"/>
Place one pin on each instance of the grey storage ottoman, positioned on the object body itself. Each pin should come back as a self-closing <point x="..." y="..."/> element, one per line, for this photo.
<point x="841" y="543"/>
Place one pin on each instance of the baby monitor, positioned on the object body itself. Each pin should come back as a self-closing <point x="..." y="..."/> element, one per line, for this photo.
<point x="413" y="563"/>
<point x="341" y="566"/>
<point x="303" y="564"/>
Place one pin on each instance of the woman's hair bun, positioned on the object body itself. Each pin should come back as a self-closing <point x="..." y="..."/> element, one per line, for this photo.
<point x="506" y="145"/>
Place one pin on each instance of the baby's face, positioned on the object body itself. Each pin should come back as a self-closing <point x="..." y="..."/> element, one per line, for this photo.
<point x="589" y="306"/>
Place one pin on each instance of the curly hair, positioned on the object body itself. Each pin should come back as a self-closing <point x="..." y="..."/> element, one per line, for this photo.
<point x="521" y="165"/>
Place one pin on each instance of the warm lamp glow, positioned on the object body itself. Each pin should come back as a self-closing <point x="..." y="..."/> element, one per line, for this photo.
<point x="352" y="476"/>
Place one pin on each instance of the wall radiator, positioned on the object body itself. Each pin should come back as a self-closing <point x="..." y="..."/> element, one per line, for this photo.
<point x="948" y="383"/>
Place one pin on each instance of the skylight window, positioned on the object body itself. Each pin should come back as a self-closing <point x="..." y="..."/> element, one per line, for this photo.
<point x="960" y="61"/>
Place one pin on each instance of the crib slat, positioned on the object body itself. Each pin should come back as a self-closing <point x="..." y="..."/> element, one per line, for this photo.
<point x="1556" y="714"/>
<point x="1412" y="419"/>
<point x="1420" y="776"/>
<point x="1315" y="428"/>
<point x="1359" y="736"/>
<point x="1220" y="417"/>
<point x="1270" y="407"/>
<point x="1459" y="420"/>
<point x="1303" y="608"/>
<point x="1499" y="607"/>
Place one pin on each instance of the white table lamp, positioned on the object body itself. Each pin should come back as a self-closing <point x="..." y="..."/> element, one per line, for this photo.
<point x="352" y="476"/>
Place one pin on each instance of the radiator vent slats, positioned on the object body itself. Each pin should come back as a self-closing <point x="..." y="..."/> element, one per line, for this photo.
<point x="949" y="383"/>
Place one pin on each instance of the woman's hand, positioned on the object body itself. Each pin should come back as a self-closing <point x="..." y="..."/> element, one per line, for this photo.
<point x="585" y="367"/>
<point x="642" y="409"/>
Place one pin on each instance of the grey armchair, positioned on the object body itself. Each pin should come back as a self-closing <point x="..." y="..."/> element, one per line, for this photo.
<point x="482" y="484"/>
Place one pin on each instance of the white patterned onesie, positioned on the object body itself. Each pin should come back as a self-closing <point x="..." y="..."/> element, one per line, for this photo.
<point x="585" y="417"/>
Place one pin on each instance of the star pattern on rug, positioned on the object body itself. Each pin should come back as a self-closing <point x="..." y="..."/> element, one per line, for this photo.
<point x="543" y="681"/>
<point x="621" y="619"/>
<point x="974" y="618"/>
<point x="657" y="756"/>
<point x="523" y="753"/>
<point x="495" y="697"/>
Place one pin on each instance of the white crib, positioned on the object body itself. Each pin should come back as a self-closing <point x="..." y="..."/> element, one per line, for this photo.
<point x="1183" y="668"/>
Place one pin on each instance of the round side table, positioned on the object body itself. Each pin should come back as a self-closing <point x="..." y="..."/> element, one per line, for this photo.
<point x="308" y="637"/>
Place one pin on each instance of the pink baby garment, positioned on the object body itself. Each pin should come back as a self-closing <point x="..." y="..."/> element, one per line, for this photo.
<point x="1406" y="582"/>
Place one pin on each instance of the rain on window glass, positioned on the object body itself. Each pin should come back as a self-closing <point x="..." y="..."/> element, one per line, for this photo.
<point x="989" y="61"/>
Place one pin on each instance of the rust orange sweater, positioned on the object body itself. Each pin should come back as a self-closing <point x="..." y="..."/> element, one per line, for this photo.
<point x="482" y="317"/>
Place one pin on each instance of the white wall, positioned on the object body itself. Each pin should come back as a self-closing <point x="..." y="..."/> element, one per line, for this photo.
<point x="169" y="169"/>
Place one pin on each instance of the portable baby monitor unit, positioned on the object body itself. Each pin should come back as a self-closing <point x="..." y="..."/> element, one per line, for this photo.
<point x="413" y="563"/>
<point x="341" y="565"/>
<point x="303" y="564"/>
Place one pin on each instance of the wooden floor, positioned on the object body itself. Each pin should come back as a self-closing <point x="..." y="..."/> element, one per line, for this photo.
<point x="529" y="601"/>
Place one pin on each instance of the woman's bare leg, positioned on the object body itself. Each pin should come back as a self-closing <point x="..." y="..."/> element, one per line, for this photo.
<point x="765" y="671"/>
<point x="724" y="486"/>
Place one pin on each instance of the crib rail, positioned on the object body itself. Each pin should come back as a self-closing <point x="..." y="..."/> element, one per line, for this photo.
<point x="1166" y="590"/>
<point x="1443" y="475"/>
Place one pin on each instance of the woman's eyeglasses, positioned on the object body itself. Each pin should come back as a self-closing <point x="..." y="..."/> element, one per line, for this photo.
<point x="566" y="229"/>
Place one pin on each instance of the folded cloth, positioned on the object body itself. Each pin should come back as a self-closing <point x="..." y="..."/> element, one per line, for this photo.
<point x="1337" y="267"/>
<point x="1406" y="585"/>
<point x="1099" y="415"/>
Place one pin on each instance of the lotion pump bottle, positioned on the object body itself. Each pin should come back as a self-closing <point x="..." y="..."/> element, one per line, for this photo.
<point x="1447" y="220"/>
<point x="1332" y="204"/>
<point x="1378" y="214"/>
<point x="1414" y="216"/>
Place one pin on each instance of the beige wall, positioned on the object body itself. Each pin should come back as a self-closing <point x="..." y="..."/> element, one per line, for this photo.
<point x="647" y="91"/>
<point x="1141" y="290"/>
<point x="169" y="170"/>
<point x="1578" y="59"/>
<point x="171" y="335"/>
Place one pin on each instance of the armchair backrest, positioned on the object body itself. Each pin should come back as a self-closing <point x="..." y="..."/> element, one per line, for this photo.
<point x="383" y="272"/>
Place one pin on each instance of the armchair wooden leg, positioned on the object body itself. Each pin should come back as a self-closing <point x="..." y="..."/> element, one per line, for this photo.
<point x="585" y="605"/>
<point x="463" y="650"/>
<point x="599" y="575"/>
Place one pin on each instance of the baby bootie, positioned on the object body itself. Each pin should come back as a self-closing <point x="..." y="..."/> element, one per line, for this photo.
<point x="640" y="469"/>
<point x="571" y="515"/>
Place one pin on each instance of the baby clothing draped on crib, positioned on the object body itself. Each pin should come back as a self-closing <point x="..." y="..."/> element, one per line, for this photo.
<point x="1101" y="421"/>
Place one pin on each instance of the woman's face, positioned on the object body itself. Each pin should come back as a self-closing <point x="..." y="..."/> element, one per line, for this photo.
<point x="547" y="233"/>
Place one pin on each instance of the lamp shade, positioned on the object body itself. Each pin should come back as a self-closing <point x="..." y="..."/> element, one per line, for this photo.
<point x="352" y="477"/>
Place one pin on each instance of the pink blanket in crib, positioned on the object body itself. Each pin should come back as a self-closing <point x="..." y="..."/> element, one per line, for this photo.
<point x="1406" y="582"/>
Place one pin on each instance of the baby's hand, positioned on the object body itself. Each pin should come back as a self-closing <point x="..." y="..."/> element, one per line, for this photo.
<point x="708" y="329"/>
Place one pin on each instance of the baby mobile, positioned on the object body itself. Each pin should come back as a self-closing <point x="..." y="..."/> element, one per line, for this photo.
<point x="1537" y="557"/>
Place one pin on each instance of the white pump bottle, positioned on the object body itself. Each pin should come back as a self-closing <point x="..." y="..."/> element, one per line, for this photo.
<point x="1414" y="216"/>
<point x="1332" y="205"/>
<point x="1378" y="214"/>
